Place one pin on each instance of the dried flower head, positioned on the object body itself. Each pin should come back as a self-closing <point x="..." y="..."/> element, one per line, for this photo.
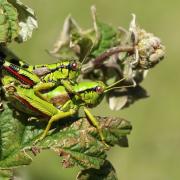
<point x="148" y="48"/>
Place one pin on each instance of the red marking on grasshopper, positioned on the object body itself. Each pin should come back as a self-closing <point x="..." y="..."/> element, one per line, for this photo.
<point x="20" y="77"/>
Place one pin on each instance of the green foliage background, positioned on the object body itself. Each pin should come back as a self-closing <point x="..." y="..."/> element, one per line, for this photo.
<point x="154" y="142"/>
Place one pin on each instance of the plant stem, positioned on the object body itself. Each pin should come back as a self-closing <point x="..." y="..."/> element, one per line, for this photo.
<point x="98" y="61"/>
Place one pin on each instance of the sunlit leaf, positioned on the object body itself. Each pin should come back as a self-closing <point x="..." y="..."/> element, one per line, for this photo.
<point x="17" y="21"/>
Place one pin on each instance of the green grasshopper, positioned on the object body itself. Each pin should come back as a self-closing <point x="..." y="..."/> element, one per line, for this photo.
<point x="44" y="76"/>
<point x="59" y="103"/>
<point x="64" y="69"/>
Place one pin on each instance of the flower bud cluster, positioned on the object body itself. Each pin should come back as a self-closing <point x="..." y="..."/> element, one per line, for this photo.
<point x="149" y="49"/>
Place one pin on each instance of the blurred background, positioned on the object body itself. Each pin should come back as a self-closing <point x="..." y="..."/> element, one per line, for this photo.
<point x="154" y="143"/>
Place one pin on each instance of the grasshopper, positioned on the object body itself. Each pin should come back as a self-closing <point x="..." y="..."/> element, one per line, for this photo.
<point x="64" y="69"/>
<point x="59" y="103"/>
<point x="44" y="76"/>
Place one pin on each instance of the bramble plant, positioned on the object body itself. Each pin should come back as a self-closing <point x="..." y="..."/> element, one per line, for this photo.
<point x="112" y="62"/>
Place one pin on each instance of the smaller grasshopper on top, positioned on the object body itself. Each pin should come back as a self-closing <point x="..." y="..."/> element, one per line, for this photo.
<point x="63" y="69"/>
<point x="43" y="76"/>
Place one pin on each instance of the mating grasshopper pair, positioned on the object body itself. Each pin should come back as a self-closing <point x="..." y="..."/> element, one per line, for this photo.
<point x="51" y="91"/>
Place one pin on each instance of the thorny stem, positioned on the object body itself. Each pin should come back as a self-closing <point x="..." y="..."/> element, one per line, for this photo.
<point x="98" y="61"/>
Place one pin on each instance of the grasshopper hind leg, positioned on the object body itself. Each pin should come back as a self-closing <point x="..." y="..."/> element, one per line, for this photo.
<point x="55" y="118"/>
<point x="96" y="124"/>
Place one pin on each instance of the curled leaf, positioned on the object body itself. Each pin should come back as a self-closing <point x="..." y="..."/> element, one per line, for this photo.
<point x="9" y="27"/>
<point x="17" y="21"/>
<point x="62" y="45"/>
<point x="124" y="98"/>
<point x="106" y="172"/>
<point x="26" y="19"/>
<point x="117" y="102"/>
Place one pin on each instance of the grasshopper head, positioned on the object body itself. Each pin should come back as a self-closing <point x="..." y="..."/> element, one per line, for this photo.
<point x="90" y="92"/>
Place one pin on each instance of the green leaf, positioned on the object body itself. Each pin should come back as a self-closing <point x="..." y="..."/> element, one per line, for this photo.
<point x="27" y="20"/>
<point x="17" y="21"/>
<point x="77" y="141"/>
<point x="11" y="144"/>
<point x="107" y="36"/>
<point x="106" y="172"/>
<point x="86" y="43"/>
<point x="9" y="27"/>
<point x="6" y="174"/>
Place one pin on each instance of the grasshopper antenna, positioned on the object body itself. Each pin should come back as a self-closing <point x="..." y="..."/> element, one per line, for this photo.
<point x="111" y="87"/>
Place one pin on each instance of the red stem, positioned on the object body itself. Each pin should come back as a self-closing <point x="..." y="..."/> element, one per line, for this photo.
<point x="99" y="60"/>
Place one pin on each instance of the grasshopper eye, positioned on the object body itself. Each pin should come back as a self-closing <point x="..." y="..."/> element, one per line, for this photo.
<point x="74" y="66"/>
<point x="99" y="89"/>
